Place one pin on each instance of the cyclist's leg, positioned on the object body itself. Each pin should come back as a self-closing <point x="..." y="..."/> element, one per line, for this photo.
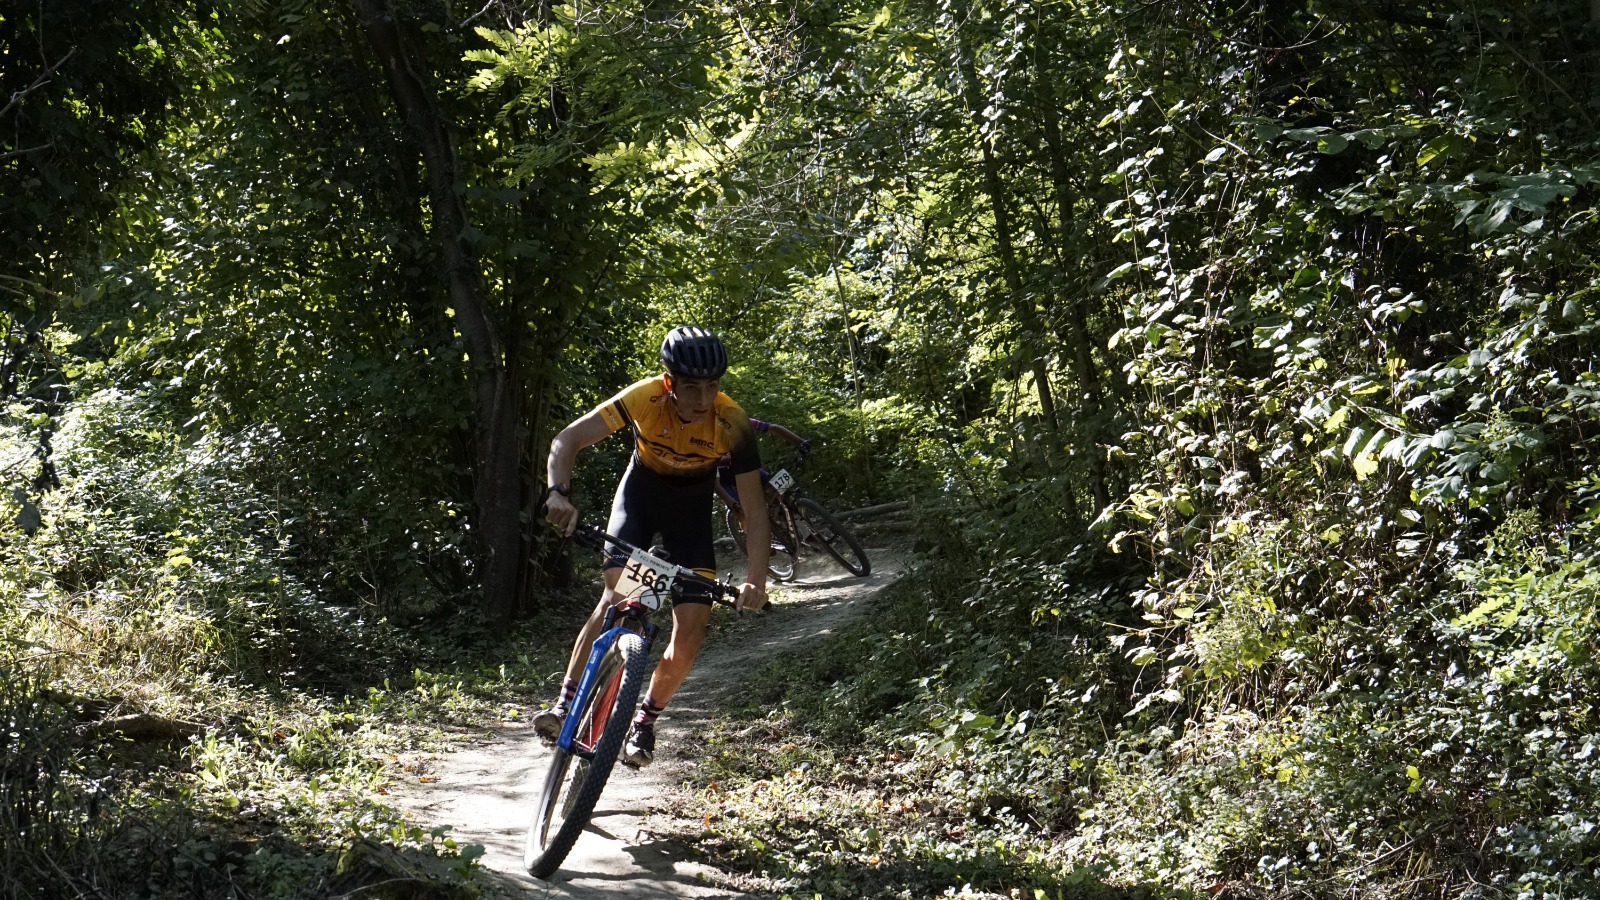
<point x="688" y="632"/>
<point x="689" y="541"/>
<point x="689" y="622"/>
<point x="683" y="516"/>
<point x="548" y="722"/>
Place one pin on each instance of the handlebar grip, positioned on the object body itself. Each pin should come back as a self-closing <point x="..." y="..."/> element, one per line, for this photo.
<point x="587" y="533"/>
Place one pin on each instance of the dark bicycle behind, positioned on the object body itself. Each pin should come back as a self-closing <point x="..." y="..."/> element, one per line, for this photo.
<point x="799" y="521"/>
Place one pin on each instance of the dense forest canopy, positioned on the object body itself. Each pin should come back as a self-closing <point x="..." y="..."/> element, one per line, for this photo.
<point x="1240" y="355"/>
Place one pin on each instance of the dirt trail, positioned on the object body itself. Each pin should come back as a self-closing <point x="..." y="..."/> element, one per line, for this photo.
<point x="486" y="791"/>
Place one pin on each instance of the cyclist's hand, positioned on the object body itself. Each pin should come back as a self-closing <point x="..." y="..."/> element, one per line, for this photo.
<point x="560" y="512"/>
<point x="751" y="596"/>
<point x="802" y="451"/>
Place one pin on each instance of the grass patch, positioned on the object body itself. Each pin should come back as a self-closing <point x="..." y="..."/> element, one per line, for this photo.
<point x="160" y="773"/>
<point x="819" y="786"/>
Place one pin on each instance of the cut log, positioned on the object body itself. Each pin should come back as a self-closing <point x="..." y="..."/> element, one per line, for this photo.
<point x="874" y="528"/>
<point x="868" y="511"/>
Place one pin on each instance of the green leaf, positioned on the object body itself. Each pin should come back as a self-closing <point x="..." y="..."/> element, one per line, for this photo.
<point x="1488" y="224"/>
<point x="1332" y="144"/>
<point x="1535" y="197"/>
<point x="1337" y="420"/>
<point x="1357" y="440"/>
<point x="972" y="721"/>
<point x="1313" y="133"/>
<point x="1371" y="138"/>
<point x="1480" y="613"/>
<point x="1496" y="472"/>
<point x="1267" y="131"/>
<point x="1442" y="147"/>
<point x="1365" y="465"/>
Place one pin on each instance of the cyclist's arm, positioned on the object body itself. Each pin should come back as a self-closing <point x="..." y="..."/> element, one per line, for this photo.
<point x="584" y="432"/>
<point x="785" y="433"/>
<point x="758" y="542"/>
<point x="722" y="492"/>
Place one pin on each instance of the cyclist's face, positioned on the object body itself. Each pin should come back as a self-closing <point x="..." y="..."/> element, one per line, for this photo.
<point x="695" y="397"/>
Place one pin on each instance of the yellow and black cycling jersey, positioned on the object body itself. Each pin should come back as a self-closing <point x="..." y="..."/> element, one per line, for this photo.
<point x="677" y="450"/>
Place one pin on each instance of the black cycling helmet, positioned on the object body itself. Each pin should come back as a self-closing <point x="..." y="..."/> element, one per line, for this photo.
<point x="693" y="352"/>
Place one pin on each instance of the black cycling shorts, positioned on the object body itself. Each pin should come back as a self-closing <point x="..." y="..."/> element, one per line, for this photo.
<point x="647" y="505"/>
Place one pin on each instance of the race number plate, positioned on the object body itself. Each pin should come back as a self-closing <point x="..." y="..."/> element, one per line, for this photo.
<point x="647" y="579"/>
<point x="782" y="481"/>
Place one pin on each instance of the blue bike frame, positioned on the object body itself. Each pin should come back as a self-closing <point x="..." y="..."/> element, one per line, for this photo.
<point x="602" y="646"/>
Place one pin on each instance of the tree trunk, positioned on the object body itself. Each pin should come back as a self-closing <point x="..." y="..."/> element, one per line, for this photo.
<point x="1024" y="309"/>
<point x="1079" y="339"/>
<point x="850" y="341"/>
<point x="536" y="560"/>
<point x="406" y="201"/>
<point x="496" y="406"/>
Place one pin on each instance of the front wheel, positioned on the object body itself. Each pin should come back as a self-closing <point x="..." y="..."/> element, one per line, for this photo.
<point x="602" y="725"/>
<point x="781" y="564"/>
<point x="834" y="536"/>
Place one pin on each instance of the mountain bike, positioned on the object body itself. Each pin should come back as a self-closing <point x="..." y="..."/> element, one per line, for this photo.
<point x="608" y="693"/>
<point x="799" y="521"/>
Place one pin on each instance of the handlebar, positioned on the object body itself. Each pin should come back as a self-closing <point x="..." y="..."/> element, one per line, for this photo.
<point x="721" y="591"/>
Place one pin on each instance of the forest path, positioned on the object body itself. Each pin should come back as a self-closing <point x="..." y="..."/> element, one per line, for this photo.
<point x="633" y="846"/>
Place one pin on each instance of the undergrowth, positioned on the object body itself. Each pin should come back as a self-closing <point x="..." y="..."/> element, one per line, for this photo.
<point x="188" y="715"/>
<point x="1016" y="721"/>
<point x="938" y="746"/>
<point x="122" y="787"/>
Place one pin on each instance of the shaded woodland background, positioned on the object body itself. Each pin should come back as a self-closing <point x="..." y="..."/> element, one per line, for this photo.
<point x="1239" y="355"/>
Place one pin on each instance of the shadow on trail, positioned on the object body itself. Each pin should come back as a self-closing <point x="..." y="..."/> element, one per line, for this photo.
<point x="654" y="872"/>
<point x="659" y="855"/>
<point x="987" y="872"/>
<point x="831" y="579"/>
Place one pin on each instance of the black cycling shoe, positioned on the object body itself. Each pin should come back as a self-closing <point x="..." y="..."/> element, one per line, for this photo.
<point x="640" y="750"/>
<point x="547" y="723"/>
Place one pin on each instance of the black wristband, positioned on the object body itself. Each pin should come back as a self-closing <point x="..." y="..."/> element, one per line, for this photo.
<point x="561" y="489"/>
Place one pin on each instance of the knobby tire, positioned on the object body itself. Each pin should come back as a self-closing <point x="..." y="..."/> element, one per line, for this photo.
<point x="627" y="665"/>
<point x="834" y="536"/>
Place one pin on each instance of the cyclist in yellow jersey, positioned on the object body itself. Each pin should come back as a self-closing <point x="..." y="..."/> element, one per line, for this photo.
<point x="682" y="426"/>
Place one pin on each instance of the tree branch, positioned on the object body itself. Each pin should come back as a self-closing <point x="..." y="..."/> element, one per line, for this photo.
<point x="25" y="283"/>
<point x="41" y="81"/>
<point x="8" y="155"/>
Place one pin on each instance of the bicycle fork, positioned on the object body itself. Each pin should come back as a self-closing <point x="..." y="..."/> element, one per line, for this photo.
<point x="591" y="669"/>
